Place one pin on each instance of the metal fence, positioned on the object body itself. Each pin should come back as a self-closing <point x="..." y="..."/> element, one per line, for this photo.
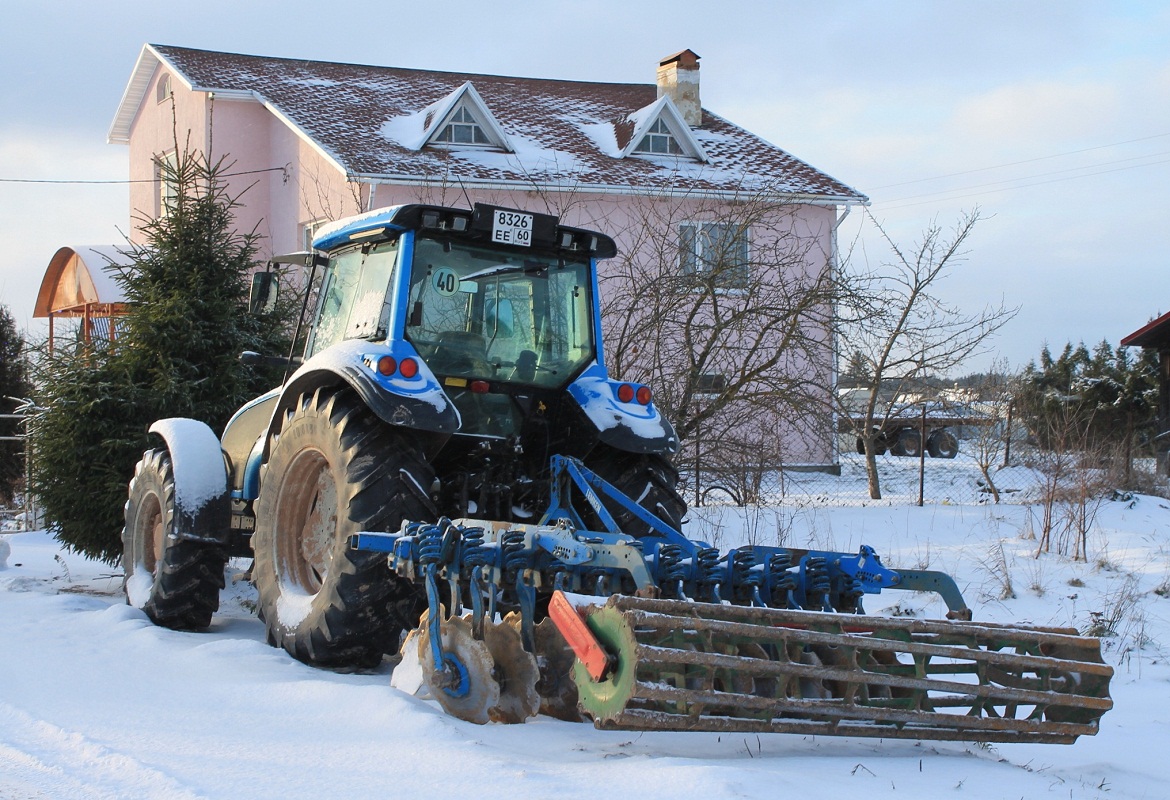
<point x="902" y="481"/>
<point x="25" y="513"/>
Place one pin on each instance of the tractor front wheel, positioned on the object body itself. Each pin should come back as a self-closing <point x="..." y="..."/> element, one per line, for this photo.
<point x="335" y="469"/>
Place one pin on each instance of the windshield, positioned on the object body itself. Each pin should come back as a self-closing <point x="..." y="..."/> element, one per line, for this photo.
<point x="477" y="312"/>
<point x="354" y="303"/>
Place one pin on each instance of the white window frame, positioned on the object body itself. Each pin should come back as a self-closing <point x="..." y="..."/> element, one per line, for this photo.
<point x="309" y="232"/>
<point x="167" y="189"/>
<point x="711" y="384"/>
<point x="162" y="90"/>
<point x="659" y="134"/>
<point x="463" y="116"/>
<point x="702" y="244"/>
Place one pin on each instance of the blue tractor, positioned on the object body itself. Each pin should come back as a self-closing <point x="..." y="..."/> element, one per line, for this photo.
<point x="450" y="439"/>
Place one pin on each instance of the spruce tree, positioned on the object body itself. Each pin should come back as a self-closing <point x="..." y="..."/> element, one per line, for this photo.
<point x="13" y="384"/>
<point x="176" y="354"/>
<point x="1098" y="398"/>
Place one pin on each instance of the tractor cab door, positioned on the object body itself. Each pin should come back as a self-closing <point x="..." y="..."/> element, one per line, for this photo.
<point x="354" y="301"/>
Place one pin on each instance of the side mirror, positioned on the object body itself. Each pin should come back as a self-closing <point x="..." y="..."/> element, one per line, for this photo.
<point x="262" y="296"/>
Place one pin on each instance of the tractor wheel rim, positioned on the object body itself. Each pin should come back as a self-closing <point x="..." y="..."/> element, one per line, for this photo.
<point x="306" y="522"/>
<point x="149" y="532"/>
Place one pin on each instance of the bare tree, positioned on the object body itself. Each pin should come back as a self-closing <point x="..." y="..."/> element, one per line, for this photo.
<point x="894" y="318"/>
<point x="992" y="424"/>
<point x="725" y="308"/>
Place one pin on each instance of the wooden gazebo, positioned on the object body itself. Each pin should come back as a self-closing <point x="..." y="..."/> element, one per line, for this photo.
<point x="79" y="284"/>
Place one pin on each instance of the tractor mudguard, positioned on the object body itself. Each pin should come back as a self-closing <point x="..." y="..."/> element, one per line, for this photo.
<point x="630" y="426"/>
<point x="202" y="504"/>
<point x="416" y="402"/>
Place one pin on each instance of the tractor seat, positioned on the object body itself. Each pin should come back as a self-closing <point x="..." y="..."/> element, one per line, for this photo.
<point x="460" y="353"/>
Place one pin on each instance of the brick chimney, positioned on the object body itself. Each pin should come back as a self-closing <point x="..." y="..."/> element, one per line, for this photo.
<point x="678" y="76"/>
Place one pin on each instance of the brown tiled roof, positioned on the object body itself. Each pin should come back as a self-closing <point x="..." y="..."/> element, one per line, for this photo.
<point x="552" y="125"/>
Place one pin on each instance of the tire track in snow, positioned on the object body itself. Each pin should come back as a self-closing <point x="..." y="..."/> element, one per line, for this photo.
<point x="41" y="760"/>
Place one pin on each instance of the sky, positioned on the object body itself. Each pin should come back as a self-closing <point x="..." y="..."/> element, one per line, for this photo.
<point x="1049" y="117"/>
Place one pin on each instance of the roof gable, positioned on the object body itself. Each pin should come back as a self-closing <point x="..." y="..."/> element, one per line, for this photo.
<point x="415" y="131"/>
<point x="558" y="134"/>
<point x="663" y="109"/>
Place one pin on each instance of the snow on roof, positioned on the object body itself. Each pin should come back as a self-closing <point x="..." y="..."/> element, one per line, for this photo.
<point x="372" y="121"/>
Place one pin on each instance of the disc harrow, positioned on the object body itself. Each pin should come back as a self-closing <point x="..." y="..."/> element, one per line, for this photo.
<point x="660" y="632"/>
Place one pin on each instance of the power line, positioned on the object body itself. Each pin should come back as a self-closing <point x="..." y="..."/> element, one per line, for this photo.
<point x="139" y="180"/>
<point x="896" y="204"/>
<point x="1025" y="161"/>
<point x="1045" y="175"/>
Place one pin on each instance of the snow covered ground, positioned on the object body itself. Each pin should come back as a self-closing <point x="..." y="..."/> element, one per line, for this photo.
<point x="95" y="702"/>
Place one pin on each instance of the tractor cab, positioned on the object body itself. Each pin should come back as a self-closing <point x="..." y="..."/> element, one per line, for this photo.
<point x="500" y="305"/>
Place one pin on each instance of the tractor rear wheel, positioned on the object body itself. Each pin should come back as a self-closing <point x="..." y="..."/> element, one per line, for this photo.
<point x="175" y="581"/>
<point x="335" y="469"/>
<point x="647" y="478"/>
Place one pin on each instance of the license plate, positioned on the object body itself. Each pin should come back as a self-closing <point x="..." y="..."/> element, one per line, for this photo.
<point x="511" y="227"/>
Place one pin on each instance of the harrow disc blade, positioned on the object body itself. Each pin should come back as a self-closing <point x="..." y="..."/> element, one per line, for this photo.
<point x="516" y="672"/>
<point x="558" y="691"/>
<point x="474" y="691"/>
<point x="699" y="666"/>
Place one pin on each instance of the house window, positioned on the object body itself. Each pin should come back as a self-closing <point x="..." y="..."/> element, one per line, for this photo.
<point x="166" y="176"/>
<point x="717" y="252"/>
<point x="309" y="233"/>
<point x="162" y="90"/>
<point x="659" y="141"/>
<point x="711" y="383"/>
<point x="463" y="128"/>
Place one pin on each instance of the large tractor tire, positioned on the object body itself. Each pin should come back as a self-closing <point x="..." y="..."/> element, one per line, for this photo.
<point x="942" y="444"/>
<point x="649" y="479"/>
<point x="335" y="469"/>
<point x="174" y="580"/>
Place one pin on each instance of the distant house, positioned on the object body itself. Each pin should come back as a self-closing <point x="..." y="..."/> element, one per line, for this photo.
<point x="1155" y="336"/>
<point x="316" y="141"/>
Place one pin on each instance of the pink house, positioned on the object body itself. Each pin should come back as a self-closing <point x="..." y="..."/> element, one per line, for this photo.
<point x="315" y="141"/>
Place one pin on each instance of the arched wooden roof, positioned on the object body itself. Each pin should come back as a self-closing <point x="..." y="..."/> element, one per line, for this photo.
<point x="78" y="277"/>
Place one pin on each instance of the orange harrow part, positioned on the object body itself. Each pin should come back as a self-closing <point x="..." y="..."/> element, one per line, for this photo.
<point x="578" y="636"/>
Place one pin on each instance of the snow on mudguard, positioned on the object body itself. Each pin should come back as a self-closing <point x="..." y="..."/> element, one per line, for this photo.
<point x="202" y="503"/>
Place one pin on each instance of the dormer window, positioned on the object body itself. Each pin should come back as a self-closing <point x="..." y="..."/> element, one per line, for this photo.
<point x="463" y="128"/>
<point x="659" y="140"/>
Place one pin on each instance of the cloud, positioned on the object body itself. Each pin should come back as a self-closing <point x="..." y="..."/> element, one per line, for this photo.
<point x="36" y="219"/>
<point x="1037" y="111"/>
